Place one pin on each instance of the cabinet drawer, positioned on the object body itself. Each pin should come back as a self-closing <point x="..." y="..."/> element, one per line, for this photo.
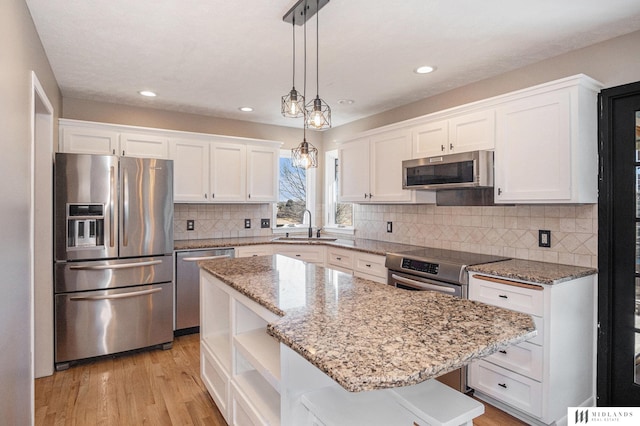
<point x="525" y="359"/>
<point x="511" y="388"/>
<point x="340" y="258"/>
<point x="370" y="264"/>
<point x="308" y="254"/>
<point x="506" y="296"/>
<point x="257" y="250"/>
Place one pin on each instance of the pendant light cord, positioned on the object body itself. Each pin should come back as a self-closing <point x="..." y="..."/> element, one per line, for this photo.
<point x="304" y="89"/>
<point x="293" y="26"/>
<point x="317" y="48"/>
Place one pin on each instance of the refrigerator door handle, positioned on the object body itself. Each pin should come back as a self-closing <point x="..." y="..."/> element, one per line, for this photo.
<point x="116" y="266"/>
<point x="195" y="259"/>
<point x="125" y="203"/>
<point x="112" y="226"/>
<point x="117" y="296"/>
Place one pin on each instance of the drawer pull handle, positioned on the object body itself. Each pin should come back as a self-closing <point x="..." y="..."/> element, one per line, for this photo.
<point x="368" y="265"/>
<point x="502" y="385"/>
<point x="503" y="296"/>
<point x="503" y="352"/>
<point x="297" y="255"/>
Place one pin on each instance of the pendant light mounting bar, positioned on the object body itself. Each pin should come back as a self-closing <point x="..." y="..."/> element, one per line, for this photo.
<point x="298" y="11"/>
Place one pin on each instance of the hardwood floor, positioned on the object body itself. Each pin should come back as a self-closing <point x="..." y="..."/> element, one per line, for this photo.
<point x="152" y="387"/>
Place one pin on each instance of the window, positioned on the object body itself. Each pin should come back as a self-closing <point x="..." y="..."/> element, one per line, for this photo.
<point x="296" y="194"/>
<point x="339" y="215"/>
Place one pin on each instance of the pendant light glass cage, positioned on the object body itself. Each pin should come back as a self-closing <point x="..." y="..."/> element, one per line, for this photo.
<point x="318" y="112"/>
<point x="292" y="104"/>
<point x="305" y="156"/>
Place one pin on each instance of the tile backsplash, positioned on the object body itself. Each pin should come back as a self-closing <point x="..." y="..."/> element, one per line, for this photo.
<point x="510" y="231"/>
<point x="500" y="230"/>
<point x="220" y="220"/>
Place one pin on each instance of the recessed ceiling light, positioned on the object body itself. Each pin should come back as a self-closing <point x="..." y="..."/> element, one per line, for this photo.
<point x="346" y="101"/>
<point x="425" y="69"/>
<point x="245" y="109"/>
<point x="147" y="93"/>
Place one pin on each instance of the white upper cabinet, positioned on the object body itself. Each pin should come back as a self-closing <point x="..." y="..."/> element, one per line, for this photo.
<point x="103" y="139"/>
<point x="144" y="145"/>
<point x="371" y="169"/>
<point x="263" y="170"/>
<point x="190" y="170"/>
<point x="225" y="170"/>
<point x="546" y="144"/>
<point x="459" y="133"/>
<point x="87" y="140"/>
<point x="228" y="172"/>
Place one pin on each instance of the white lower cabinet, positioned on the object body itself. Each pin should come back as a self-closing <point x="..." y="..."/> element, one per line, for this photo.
<point x="538" y="379"/>
<point x="340" y="259"/>
<point x="254" y="250"/>
<point x="370" y="267"/>
<point x="308" y="253"/>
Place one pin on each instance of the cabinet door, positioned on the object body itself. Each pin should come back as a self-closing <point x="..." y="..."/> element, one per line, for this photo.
<point x="533" y="149"/>
<point x="430" y="139"/>
<point x="82" y="140"/>
<point x="472" y="132"/>
<point x="387" y="151"/>
<point x="262" y="173"/>
<point x="141" y="145"/>
<point x="353" y="161"/>
<point x="228" y="172"/>
<point x="190" y="170"/>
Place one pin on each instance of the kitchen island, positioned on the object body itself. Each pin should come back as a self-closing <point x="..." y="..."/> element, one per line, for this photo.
<point x="363" y="335"/>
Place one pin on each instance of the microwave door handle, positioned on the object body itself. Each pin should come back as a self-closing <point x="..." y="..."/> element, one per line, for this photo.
<point x="195" y="259"/>
<point x="423" y="285"/>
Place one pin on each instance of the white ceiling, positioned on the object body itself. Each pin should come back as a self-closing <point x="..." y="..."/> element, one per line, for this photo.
<point x="212" y="56"/>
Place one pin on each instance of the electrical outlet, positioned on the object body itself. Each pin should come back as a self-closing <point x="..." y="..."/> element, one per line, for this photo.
<point x="544" y="238"/>
<point x="247" y="223"/>
<point x="265" y="223"/>
<point x="191" y="224"/>
<point x="389" y="226"/>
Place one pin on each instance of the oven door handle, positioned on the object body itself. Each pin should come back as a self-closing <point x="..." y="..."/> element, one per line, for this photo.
<point x="422" y="285"/>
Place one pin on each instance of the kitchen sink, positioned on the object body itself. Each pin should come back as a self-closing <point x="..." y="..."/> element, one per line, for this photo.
<point x="311" y="239"/>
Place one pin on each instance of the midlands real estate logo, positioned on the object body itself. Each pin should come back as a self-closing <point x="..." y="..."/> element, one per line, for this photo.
<point x="593" y="416"/>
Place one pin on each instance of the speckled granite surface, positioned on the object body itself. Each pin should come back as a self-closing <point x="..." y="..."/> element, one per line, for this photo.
<point x="367" y="246"/>
<point x="367" y="335"/>
<point x="537" y="272"/>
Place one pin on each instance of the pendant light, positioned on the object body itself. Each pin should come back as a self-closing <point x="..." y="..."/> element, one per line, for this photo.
<point x="305" y="155"/>
<point x="318" y="112"/>
<point x="293" y="103"/>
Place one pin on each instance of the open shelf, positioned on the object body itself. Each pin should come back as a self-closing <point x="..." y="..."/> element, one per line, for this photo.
<point x="260" y="395"/>
<point x="220" y="347"/>
<point x="262" y="352"/>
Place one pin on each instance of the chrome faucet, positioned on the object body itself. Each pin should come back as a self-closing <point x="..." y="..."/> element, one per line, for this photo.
<point x="310" y="230"/>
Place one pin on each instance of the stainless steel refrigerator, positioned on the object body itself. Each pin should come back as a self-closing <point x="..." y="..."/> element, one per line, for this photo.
<point x="113" y="220"/>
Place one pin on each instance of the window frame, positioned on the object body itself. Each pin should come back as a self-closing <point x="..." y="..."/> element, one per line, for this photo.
<point x="331" y="196"/>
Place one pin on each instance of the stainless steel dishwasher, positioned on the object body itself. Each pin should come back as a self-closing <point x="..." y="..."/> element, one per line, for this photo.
<point x="188" y="286"/>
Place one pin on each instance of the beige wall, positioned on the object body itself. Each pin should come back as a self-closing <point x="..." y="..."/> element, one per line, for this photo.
<point x="612" y="62"/>
<point x="80" y="109"/>
<point x="20" y="53"/>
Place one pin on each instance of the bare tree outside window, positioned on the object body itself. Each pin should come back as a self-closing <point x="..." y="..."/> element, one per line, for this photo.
<point x="292" y="201"/>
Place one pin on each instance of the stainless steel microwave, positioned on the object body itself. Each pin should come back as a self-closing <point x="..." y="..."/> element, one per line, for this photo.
<point x="464" y="170"/>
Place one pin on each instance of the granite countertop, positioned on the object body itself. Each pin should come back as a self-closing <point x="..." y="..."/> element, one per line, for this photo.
<point x="367" y="335"/>
<point x="359" y="244"/>
<point x="533" y="271"/>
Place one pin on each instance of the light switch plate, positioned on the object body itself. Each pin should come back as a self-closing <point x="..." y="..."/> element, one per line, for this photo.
<point x="389" y="226"/>
<point x="265" y="223"/>
<point x="247" y="223"/>
<point x="544" y="238"/>
<point x="191" y="224"/>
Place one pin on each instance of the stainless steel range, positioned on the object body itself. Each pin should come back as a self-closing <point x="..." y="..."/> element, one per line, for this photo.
<point x="440" y="270"/>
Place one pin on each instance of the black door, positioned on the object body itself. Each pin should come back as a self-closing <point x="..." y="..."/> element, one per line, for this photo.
<point x="619" y="247"/>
